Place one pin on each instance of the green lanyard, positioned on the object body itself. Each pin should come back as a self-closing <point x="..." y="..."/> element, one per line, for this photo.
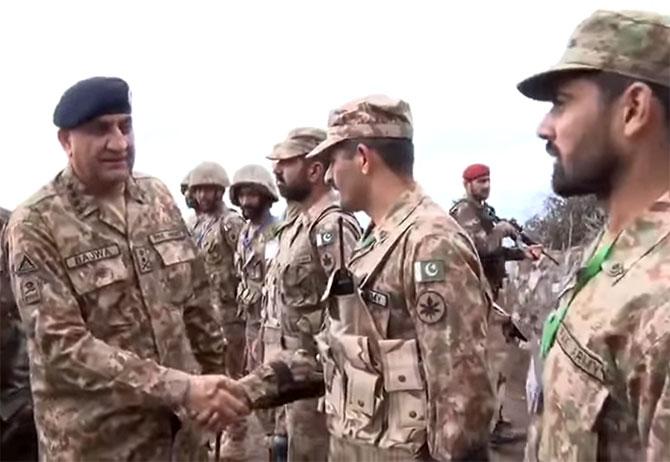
<point x="554" y="320"/>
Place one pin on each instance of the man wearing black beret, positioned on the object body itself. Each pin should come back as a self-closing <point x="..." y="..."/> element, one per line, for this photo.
<point x="115" y="299"/>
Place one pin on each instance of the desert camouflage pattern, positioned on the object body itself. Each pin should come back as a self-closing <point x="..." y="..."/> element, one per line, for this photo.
<point x="115" y="314"/>
<point x="419" y="279"/>
<point x="607" y="377"/>
<point x="630" y="43"/>
<point x="251" y="267"/>
<point x="470" y="215"/>
<point x="375" y="116"/>
<point x="254" y="175"/>
<point x="307" y="253"/>
<point x="208" y="173"/>
<point x="298" y="143"/>
<point x="216" y="235"/>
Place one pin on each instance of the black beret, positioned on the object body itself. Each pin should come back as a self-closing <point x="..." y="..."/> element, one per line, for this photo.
<point x="91" y="98"/>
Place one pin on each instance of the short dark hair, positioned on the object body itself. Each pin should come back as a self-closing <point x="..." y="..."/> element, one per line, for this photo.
<point x="396" y="153"/>
<point x="613" y="85"/>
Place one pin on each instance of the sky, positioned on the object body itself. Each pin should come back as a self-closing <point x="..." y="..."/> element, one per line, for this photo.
<point x="225" y="81"/>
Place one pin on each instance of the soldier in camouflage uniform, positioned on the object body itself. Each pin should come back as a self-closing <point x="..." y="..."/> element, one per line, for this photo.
<point x="114" y="299"/>
<point x="606" y="346"/>
<point x="254" y="191"/>
<point x="188" y="199"/>
<point x="18" y="439"/>
<point x="303" y="256"/>
<point x="403" y="348"/>
<point x="475" y="215"/>
<point x="216" y="232"/>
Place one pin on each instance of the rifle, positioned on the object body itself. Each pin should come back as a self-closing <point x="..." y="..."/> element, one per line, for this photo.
<point x="522" y="240"/>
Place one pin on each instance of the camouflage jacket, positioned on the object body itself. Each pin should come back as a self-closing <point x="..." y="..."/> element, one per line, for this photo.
<point x="14" y="372"/>
<point x="308" y="251"/>
<point x="216" y="235"/>
<point x="427" y="298"/>
<point x="473" y="218"/>
<point x="251" y="266"/>
<point x="114" y="313"/>
<point x="607" y="377"/>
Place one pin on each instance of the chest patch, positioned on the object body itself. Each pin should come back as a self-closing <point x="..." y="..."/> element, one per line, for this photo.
<point x="373" y="296"/>
<point x="92" y="255"/>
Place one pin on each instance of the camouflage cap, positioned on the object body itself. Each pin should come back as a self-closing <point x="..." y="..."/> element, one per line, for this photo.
<point x="376" y="116"/>
<point x="298" y="143"/>
<point x="631" y="43"/>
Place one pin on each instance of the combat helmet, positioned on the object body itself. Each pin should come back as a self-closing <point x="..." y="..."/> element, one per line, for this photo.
<point x="208" y="173"/>
<point x="256" y="175"/>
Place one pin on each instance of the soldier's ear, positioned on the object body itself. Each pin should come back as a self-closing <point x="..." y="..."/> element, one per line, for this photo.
<point x="364" y="158"/>
<point x="637" y="109"/>
<point x="65" y="140"/>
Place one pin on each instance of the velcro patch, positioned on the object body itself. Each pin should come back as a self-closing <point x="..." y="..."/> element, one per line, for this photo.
<point x="169" y="235"/>
<point x="429" y="271"/>
<point x="373" y="296"/>
<point x="580" y="356"/>
<point x="25" y="266"/>
<point x="30" y="291"/>
<point x="92" y="255"/>
<point x="430" y="307"/>
<point x="325" y="238"/>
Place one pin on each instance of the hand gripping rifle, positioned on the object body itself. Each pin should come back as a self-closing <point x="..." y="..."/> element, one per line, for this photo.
<point x="522" y="240"/>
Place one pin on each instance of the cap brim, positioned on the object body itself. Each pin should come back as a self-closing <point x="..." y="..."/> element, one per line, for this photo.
<point x="324" y="146"/>
<point x="541" y="87"/>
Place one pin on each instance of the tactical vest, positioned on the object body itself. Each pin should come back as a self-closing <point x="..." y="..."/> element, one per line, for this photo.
<point x="375" y="392"/>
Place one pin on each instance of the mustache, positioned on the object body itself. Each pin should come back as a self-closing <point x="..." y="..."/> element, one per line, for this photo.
<point x="552" y="150"/>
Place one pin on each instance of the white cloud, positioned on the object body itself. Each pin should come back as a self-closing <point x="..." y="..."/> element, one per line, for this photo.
<point x="224" y="81"/>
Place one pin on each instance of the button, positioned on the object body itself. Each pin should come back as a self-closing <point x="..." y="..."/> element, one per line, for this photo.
<point x="412" y="414"/>
<point x="361" y="403"/>
<point x="402" y="378"/>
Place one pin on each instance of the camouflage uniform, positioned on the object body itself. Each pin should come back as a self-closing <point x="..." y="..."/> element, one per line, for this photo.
<point x="114" y="312"/>
<point x="607" y="377"/>
<point x="216" y="235"/>
<point x="473" y="217"/>
<point x="17" y="431"/>
<point x="307" y="252"/>
<point x="405" y="366"/>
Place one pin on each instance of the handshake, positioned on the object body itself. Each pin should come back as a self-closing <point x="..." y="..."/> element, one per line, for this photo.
<point x="215" y="401"/>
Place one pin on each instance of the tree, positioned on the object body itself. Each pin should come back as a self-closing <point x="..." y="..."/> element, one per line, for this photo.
<point x="565" y="223"/>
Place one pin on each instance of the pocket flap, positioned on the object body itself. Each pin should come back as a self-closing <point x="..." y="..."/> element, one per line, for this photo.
<point x="361" y="387"/>
<point x="400" y="359"/>
<point x="356" y="349"/>
<point x="174" y="251"/>
<point x="94" y="276"/>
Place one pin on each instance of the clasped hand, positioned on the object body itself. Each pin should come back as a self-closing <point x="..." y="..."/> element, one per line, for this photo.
<point x="214" y="401"/>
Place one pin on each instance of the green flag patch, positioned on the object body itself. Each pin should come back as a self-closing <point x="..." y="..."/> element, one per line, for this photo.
<point x="429" y="271"/>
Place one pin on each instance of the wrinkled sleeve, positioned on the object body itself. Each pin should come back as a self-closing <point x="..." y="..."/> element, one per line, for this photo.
<point x="201" y="318"/>
<point x="649" y="387"/>
<point x="289" y="377"/>
<point x="72" y="358"/>
<point x="203" y="323"/>
<point x="326" y="238"/>
<point x="487" y="245"/>
<point x="449" y="307"/>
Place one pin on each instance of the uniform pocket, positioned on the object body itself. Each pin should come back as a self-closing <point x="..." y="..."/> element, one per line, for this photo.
<point x="176" y="274"/>
<point x="297" y="283"/>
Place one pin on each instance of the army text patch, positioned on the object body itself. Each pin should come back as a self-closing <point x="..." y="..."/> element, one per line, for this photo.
<point x="169" y="235"/>
<point x="92" y="255"/>
<point x="579" y="356"/>
<point x="373" y="296"/>
<point x="429" y="271"/>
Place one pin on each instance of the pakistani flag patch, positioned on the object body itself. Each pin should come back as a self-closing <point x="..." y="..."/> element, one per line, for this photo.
<point x="324" y="239"/>
<point x="429" y="271"/>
